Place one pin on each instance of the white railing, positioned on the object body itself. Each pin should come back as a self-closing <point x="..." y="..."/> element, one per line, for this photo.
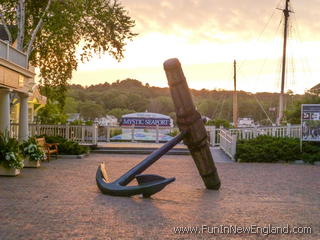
<point x="282" y="131"/>
<point x="228" y="142"/>
<point x="13" y="55"/>
<point x="93" y="134"/>
<point x="78" y="133"/>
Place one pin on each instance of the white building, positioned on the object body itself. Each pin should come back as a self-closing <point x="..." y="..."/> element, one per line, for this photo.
<point x="16" y="79"/>
<point x="108" y="120"/>
<point x="245" y="122"/>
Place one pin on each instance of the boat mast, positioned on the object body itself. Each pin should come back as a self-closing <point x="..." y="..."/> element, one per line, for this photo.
<point x="286" y="13"/>
<point x="235" y="97"/>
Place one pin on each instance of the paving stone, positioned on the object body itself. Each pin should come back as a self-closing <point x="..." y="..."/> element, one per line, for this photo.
<point x="60" y="200"/>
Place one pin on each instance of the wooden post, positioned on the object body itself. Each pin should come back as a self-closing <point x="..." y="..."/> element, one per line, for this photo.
<point x="132" y="133"/>
<point x="82" y="132"/>
<point x="190" y="120"/>
<point x="288" y="130"/>
<point x="234" y="147"/>
<point x="67" y="131"/>
<point x="108" y="134"/>
<point x="94" y="133"/>
<point x="157" y="134"/>
<point x="213" y="136"/>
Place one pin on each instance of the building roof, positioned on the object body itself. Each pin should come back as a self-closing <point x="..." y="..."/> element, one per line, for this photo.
<point x="145" y="115"/>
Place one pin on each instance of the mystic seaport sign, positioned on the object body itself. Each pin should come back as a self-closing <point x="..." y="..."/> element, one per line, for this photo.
<point x="145" y="122"/>
<point x="310" y="122"/>
<point x="146" y="119"/>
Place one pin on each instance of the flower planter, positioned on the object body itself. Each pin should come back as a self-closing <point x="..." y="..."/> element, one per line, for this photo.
<point x="9" y="171"/>
<point x="31" y="164"/>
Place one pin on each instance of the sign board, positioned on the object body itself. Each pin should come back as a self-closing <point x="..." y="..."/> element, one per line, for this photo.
<point x="145" y="122"/>
<point x="310" y="122"/>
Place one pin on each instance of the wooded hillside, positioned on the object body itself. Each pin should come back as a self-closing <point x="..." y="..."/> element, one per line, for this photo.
<point x="130" y="95"/>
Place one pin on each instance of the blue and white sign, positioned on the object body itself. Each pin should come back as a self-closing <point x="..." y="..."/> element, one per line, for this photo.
<point x="145" y="122"/>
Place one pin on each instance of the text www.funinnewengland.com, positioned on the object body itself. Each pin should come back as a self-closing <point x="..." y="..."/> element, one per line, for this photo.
<point x="234" y="229"/>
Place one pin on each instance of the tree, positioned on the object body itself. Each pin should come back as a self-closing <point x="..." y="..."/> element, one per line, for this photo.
<point x="162" y="104"/>
<point x="118" y="112"/>
<point x="72" y="105"/>
<point x="50" y="32"/>
<point x="50" y="114"/>
<point x="89" y="110"/>
<point x="218" y="123"/>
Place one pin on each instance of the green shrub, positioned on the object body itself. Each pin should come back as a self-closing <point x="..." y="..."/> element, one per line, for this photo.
<point x="31" y="150"/>
<point x="115" y="132"/>
<point x="174" y="133"/>
<point x="65" y="146"/>
<point x="9" y="152"/>
<point x="72" y="148"/>
<point x="274" y="149"/>
<point x="55" y="139"/>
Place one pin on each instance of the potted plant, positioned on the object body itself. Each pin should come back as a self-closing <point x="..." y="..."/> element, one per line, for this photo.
<point x="10" y="158"/>
<point x="32" y="152"/>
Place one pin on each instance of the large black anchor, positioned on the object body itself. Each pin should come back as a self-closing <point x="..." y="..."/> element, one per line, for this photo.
<point x="148" y="183"/>
<point x="193" y="134"/>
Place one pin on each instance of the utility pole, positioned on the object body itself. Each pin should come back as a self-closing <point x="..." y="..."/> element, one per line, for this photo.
<point x="235" y="96"/>
<point x="286" y="13"/>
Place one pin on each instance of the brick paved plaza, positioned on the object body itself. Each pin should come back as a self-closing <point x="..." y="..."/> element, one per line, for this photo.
<point x="61" y="201"/>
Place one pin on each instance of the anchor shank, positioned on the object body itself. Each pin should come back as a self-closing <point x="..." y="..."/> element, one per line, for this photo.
<point x="189" y="118"/>
<point x="148" y="161"/>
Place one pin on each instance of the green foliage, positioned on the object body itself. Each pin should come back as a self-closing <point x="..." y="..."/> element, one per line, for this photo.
<point x="293" y="113"/>
<point x="90" y="110"/>
<point x="9" y="152"/>
<point x="116" y="100"/>
<point x="67" y="147"/>
<point x="218" y="123"/>
<point x="54" y="139"/>
<point x="275" y="149"/>
<point x="31" y="150"/>
<point x="118" y="112"/>
<point x="174" y="133"/>
<point x="51" y="114"/>
<point x="72" y="148"/>
<point x="97" y="26"/>
<point x="115" y="132"/>
<point x="162" y="104"/>
<point x="71" y="106"/>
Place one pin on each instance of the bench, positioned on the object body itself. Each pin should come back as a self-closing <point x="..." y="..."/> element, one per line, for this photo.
<point x="48" y="148"/>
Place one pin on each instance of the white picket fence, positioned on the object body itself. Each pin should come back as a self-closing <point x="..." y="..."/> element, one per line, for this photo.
<point x="226" y="139"/>
<point x="228" y="143"/>
<point x="78" y="133"/>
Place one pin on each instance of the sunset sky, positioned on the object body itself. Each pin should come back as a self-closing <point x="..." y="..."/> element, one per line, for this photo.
<point x="207" y="35"/>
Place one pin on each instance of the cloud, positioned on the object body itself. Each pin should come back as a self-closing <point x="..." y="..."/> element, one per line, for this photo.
<point x="200" y="20"/>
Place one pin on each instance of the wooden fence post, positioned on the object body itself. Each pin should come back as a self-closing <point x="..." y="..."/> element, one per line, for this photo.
<point x="234" y="146"/>
<point x="132" y="133"/>
<point x="94" y="133"/>
<point x="108" y="134"/>
<point x="157" y="134"/>
<point x="67" y="131"/>
<point x="288" y="130"/>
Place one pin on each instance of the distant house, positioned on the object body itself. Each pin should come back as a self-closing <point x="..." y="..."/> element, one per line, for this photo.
<point x="73" y="117"/>
<point x="108" y="120"/>
<point x="245" y="122"/>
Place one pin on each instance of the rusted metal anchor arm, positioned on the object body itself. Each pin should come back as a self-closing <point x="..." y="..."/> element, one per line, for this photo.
<point x="148" y="183"/>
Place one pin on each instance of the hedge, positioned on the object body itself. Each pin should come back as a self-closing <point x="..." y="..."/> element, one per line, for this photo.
<point x="275" y="149"/>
